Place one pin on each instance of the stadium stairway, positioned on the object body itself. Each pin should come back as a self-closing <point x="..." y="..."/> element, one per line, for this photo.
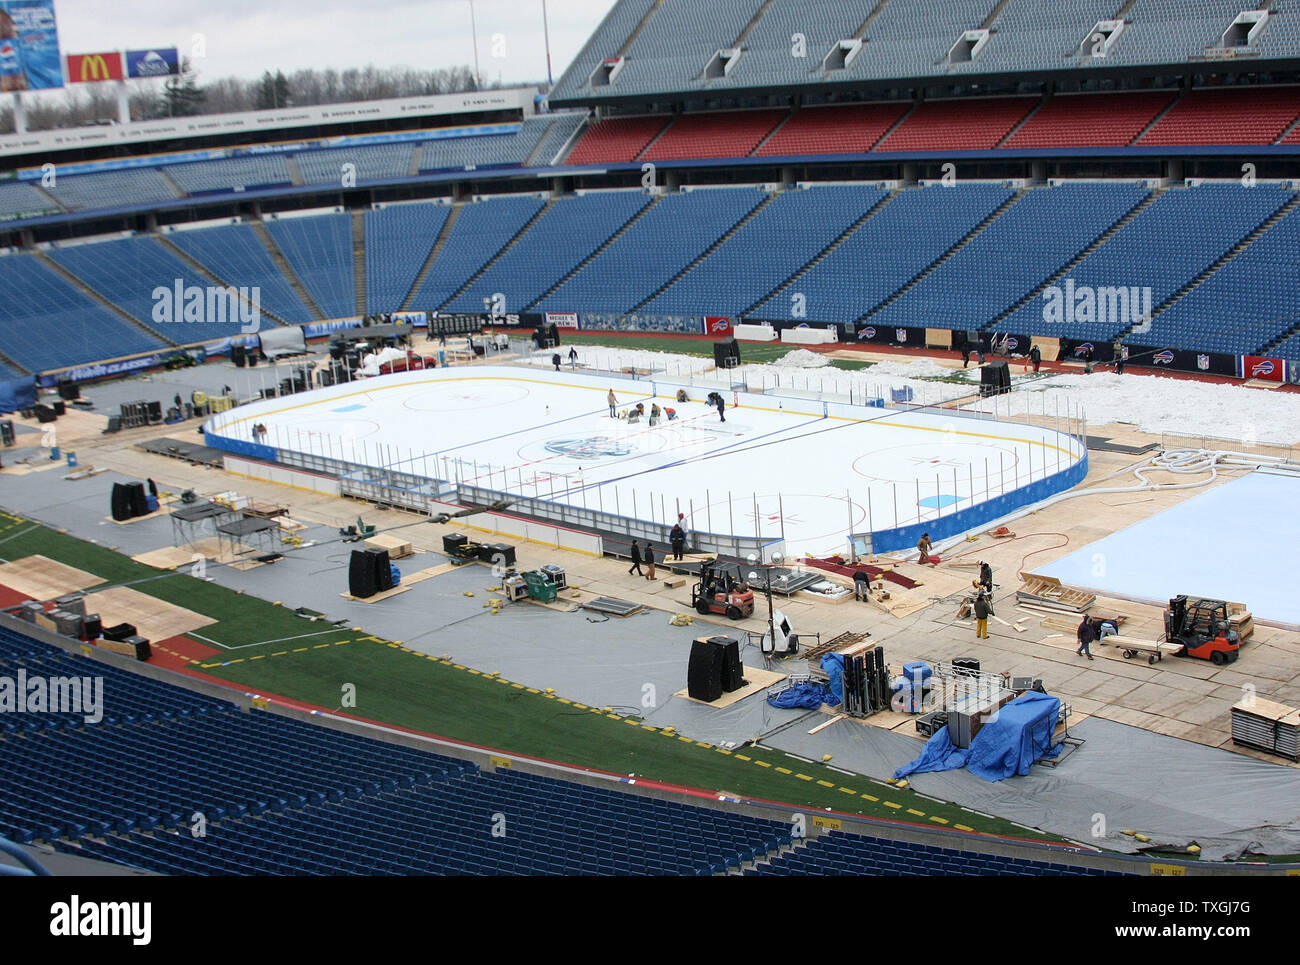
<point x="1043" y="102"/>
<point x="993" y="14"/>
<point x="655" y="140"/>
<point x="758" y="209"/>
<point x="170" y="182"/>
<point x="359" y="257"/>
<point x="627" y="226"/>
<point x="282" y="263"/>
<point x="1069" y="266"/>
<point x="824" y="253"/>
<point x="295" y="172"/>
<point x="417" y="158"/>
<point x="934" y="265"/>
<point x="95" y="296"/>
<point x="1160" y="116"/>
<point x="434" y="252"/>
<point x="631" y="38"/>
<point x="1213" y="269"/>
<point x="469" y="283"/>
<point x="212" y="276"/>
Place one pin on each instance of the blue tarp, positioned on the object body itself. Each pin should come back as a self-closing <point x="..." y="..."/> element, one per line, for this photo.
<point x="1020" y="734"/>
<point x="17" y="393"/>
<point x="804" y="695"/>
<point x="833" y="664"/>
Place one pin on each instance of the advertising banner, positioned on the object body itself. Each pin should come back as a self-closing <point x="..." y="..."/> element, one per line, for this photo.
<point x="154" y="62"/>
<point x="29" y="46"/>
<point x="418" y="319"/>
<point x="1255" y="367"/>
<point x="1180" y="360"/>
<point x="93" y="68"/>
<point x="717" y="325"/>
<point x="562" y="319"/>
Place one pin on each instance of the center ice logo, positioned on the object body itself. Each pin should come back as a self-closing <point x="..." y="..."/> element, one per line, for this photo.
<point x="597" y="447"/>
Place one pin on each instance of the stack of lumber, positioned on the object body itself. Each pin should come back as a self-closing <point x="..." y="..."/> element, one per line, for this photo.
<point x="1048" y="592"/>
<point x="1241" y="620"/>
<point x="1267" y="726"/>
<point x="875" y="573"/>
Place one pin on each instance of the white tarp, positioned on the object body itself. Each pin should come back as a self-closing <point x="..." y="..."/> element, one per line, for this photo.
<point x="279" y="342"/>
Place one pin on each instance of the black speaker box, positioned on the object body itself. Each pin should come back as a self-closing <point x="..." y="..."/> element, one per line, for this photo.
<point x="119" y="632"/>
<point x="120" y="503"/>
<point x="383" y="570"/>
<point x="155" y="413"/>
<point x="733" y="674"/>
<point x="704" y="674"/>
<point x="452" y="542"/>
<point x="68" y="390"/>
<point x="60" y="407"/>
<point x="139" y="499"/>
<point x="361" y="575"/>
<point x="45" y="413"/>
<point x="6" y="432"/>
<point x="726" y="354"/>
<point x="92" y="627"/>
<point x="237" y="356"/>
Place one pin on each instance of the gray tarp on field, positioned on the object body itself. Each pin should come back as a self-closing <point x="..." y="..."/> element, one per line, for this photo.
<point x="278" y="342"/>
<point x="1175" y="791"/>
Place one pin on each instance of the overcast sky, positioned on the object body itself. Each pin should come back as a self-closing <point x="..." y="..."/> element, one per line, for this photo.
<point x="246" y="37"/>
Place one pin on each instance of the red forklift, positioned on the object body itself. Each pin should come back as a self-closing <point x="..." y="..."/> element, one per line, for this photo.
<point x="1201" y="629"/>
<point x="721" y="589"/>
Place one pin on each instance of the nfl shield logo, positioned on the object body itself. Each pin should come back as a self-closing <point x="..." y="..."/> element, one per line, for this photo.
<point x="900" y="334"/>
<point x="1202" y="362"/>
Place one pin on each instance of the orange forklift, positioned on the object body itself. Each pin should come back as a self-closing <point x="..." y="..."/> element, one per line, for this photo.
<point x="1202" y="630"/>
<point x="720" y="590"/>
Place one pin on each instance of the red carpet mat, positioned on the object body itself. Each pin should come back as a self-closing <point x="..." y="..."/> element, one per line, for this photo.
<point x="875" y="572"/>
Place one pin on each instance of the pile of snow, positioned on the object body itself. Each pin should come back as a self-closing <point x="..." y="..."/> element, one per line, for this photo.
<point x="918" y="369"/>
<point x="801" y="358"/>
<point x="1158" y="404"/>
<point x="602" y="359"/>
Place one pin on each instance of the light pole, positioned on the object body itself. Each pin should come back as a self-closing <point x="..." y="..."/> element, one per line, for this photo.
<point x="767" y="589"/>
<point x="473" y="26"/>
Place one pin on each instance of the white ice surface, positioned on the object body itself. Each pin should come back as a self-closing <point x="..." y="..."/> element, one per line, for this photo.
<point x="780" y="471"/>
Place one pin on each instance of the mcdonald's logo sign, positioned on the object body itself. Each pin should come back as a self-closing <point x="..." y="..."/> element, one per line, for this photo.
<point x="89" y="68"/>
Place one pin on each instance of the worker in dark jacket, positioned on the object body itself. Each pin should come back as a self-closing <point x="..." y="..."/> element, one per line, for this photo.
<point x="983" y="610"/>
<point x="636" y="561"/>
<point x="678" y="539"/>
<point x="555" y="360"/>
<point x="1036" y="357"/>
<point x="1087" y="634"/>
<point x="986" y="576"/>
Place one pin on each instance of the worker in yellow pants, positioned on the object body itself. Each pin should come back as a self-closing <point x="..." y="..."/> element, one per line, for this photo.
<point x="982" y="613"/>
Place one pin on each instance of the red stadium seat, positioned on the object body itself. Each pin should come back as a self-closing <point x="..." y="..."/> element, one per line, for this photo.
<point x="620" y="139"/>
<point x="834" y="130"/>
<point x="727" y="134"/>
<point x="962" y="125"/>
<point x="1257" y="115"/>
<point x="1090" y="120"/>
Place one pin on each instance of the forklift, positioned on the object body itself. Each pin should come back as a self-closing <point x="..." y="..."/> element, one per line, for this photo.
<point x="1201" y="629"/>
<point x="722" y="591"/>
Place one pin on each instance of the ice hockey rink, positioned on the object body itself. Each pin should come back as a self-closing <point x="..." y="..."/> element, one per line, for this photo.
<point x="803" y="472"/>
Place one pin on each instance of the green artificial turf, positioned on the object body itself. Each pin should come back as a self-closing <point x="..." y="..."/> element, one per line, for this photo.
<point x="400" y="687"/>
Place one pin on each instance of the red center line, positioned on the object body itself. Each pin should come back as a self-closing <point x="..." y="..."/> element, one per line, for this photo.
<point x="535" y="462"/>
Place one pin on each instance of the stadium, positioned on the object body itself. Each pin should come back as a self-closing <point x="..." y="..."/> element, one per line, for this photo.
<point x="853" y="437"/>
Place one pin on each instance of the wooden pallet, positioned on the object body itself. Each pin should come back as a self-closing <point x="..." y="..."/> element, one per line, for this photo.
<point x="1049" y="590"/>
